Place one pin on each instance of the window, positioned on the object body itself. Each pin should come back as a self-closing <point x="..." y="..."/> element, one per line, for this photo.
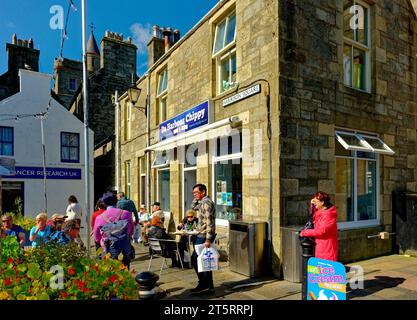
<point x="127" y="179"/>
<point x="70" y="147"/>
<point x="224" y="53"/>
<point x="142" y="181"/>
<point x="162" y="96"/>
<point x="357" y="177"/>
<point x="356" y="49"/>
<point x="128" y="123"/>
<point x="161" y="159"/>
<point x="72" y="84"/>
<point x="164" y="189"/>
<point x="227" y="178"/>
<point x="6" y="141"/>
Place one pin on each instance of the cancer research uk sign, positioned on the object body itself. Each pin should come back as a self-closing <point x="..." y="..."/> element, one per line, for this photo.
<point x="326" y="280"/>
<point x="186" y="121"/>
<point x="51" y="173"/>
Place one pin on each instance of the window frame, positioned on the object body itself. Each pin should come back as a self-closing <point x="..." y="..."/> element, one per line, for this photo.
<point x="346" y="225"/>
<point x="128" y="118"/>
<point x="362" y="139"/>
<point x="142" y="173"/>
<point x="366" y="48"/>
<point x="75" y="85"/>
<point x="219" y="60"/>
<point x="78" y="147"/>
<point x="7" y="142"/>
<point x="128" y="181"/>
<point x="166" y="168"/>
<point x="162" y="95"/>
<point x="229" y="45"/>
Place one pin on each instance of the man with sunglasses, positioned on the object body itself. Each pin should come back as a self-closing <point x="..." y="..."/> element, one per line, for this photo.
<point x="13" y="229"/>
<point x="69" y="232"/>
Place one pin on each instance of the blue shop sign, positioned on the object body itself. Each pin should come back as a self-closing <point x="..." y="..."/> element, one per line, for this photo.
<point x="186" y="121"/>
<point x="51" y="173"/>
<point x="326" y="280"/>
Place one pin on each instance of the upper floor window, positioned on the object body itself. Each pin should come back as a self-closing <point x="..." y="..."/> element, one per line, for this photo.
<point x="162" y="95"/>
<point x="6" y="141"/>
<point x="128" y="122"/>
<point x="356" y="48"/>
<point x="224" y="53"/>
<point x="72" y="84"/>
<point x="70" y="147"/>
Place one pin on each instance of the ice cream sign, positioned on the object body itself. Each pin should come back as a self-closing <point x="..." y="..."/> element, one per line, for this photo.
<point x="193" y="118"/>
<point x="326" y="280"/>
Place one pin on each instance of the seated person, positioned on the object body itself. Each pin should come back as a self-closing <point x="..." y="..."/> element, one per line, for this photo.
<point x="69" y="232"/>
<point x="11" y="229"/>
<point x="56" y="221"/>
<point x="189" y="223"/>
<point x="157" y="231"/>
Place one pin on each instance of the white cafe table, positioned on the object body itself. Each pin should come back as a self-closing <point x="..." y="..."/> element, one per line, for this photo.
<point x="189" y="234"/>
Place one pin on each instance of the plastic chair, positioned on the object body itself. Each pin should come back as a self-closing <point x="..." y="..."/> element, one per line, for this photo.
<point x="156" y="250"/>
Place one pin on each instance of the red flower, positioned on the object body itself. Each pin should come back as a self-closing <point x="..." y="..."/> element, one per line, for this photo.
<point x="71" y="271"/>
<point x="104" y="284"/>
<point x="64" y="295"/>
<point x="86" y="273"/>
<point x="113" y="278"/>
<point x="81" y="285"/>
<point x="7" y="282"/>
<point x="86" y="290"/>
<point x="10" y="260"/>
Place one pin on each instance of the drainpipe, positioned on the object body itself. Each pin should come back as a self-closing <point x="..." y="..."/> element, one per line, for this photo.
<point x="117" y="142"/>
<point x="148" y="143"/>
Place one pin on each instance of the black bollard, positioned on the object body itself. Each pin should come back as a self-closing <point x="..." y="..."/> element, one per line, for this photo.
<point x="307" y="245"/>
<point x="147" y="281"/>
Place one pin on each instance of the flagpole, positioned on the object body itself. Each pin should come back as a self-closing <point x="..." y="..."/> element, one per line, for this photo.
<point x="86" y="143"/>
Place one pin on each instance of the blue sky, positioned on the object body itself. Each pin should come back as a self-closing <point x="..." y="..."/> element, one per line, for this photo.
<point x="31" y="19"/>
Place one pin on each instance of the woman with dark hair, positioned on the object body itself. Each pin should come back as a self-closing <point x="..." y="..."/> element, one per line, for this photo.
<point x="74" y="210"/>
<point x="325" y="227"/>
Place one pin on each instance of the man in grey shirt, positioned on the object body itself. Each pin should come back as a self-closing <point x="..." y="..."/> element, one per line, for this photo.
<point x="206" y="226"/>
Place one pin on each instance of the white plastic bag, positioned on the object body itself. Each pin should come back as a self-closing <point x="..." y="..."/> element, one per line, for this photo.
<point x="208" y="259"/>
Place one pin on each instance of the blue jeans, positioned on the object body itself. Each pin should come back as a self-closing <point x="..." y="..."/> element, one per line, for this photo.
<point x="205" y="279"/>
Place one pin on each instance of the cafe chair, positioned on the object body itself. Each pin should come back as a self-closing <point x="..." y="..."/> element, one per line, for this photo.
<point x="156" y="251"/>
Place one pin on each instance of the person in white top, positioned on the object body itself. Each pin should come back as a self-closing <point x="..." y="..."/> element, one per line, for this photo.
<point x="74" y="210"/>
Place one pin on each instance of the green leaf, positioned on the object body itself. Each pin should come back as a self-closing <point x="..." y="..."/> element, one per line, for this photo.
<point x="43" y="296"/>
<point x="21" y="268"/>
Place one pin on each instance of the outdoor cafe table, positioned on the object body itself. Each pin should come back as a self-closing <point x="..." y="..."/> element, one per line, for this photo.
<point x="189" y="234"/>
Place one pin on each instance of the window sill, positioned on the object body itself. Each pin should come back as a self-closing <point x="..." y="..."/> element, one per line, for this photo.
<point x="224" y="94"/>
<point x="70" y="161"/>
<point x="355" y="90"/>
<point x="345" y="226"/>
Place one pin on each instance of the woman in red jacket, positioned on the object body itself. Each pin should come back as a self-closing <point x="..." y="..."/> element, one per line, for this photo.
<point x="325" y="227"/>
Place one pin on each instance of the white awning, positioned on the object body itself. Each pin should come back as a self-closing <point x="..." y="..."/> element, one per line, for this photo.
<point x="208" y="132"/>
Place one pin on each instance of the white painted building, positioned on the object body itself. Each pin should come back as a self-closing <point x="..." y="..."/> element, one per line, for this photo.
<point x="64" y="149"/>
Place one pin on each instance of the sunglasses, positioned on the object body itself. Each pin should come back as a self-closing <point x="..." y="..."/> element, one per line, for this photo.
<point x="190" y="216"/>
<point x="5" y="220"/>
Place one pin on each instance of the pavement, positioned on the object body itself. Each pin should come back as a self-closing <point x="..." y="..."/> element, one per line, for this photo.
<point x="392" y="277"/>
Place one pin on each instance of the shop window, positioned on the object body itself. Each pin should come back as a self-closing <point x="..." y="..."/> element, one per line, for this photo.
<point x="227" y="178"/>
<point x="162" y="95"/>
<point x="127" y="179"/>
<point x="6" y="141"/>
<point x="224" y="53"/>
<point x="357" y="177"/>
<point x="142" y="180"/>
<point x="161" y="159"/>
<point x="356" y="49"/>
<point x="70" y="147"/>
<point x="164" y="189"/>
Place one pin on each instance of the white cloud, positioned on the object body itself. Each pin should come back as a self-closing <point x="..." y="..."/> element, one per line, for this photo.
<point x="10" y="24"/>
<point x="141" y="35"/>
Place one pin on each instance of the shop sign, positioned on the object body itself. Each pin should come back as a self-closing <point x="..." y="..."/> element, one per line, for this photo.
<point x="242" y="95"/>
<point x="326" y="280"/>
<point x="186" y="121"/>
<point x="51" y="173"/>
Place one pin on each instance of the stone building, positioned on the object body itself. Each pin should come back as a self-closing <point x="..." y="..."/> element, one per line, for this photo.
<point x="341" y="92"/>
<point x="110" y="68"/>
<point x="21" y="54"/>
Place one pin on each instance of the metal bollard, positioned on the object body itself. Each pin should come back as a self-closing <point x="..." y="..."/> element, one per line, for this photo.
<point x="307" y="245"/>
<point x="147" y="281"/>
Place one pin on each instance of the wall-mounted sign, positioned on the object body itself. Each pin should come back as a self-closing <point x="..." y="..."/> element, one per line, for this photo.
<point x="242" y="95"/>
<point x="186" y="121"/>
<point x="51" y="173"/>
<point x="326" y="280"/>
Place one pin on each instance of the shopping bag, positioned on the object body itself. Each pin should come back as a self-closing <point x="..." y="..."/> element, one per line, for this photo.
<point x="208" y="260"/>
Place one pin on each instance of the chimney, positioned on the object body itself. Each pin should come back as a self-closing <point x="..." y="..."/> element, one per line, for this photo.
<point x="176" y="35"/>
<point x="31" y="43"/>
<point x="25" y="44"/>
<point x="14" y="38"/>
<point x="156" y="46"/>
<point x="20" y="42"/>
<point x="167" y="34"/>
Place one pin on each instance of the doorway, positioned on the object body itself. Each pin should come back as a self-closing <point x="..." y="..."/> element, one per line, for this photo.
<point x="12" y="197"/>
<point x="189" y="178"/>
